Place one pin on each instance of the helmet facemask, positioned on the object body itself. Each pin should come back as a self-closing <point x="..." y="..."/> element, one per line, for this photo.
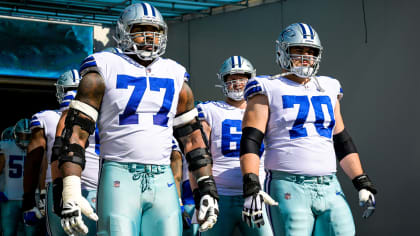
<point x="287" y="61"/>
<point x="152" y="45"/>
<point x="22" y="133"/>
<point x="234" y="89"/>
<point x="68" y="81"/>
<point x="299" y="35"/>
<point x="235" y="65"/>
<point x="22" y="140"/>
<point x="62" y="92"/>
<point x="141" y="15"/>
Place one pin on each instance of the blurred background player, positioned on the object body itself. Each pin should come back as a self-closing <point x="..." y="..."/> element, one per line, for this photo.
<point x="136" y="95"/>
<point x="179" y="168"/>
<point x="298" y="115"/>
<point x="222" y="122"/>
<point x="13" y="155"/>
<point x="66" y="92"/>
<point x="44" y="127"/>
<point x="6" y="134"/>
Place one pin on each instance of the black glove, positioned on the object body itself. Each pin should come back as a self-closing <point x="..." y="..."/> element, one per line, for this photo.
<point x="254" y="199"/>
<point x="42" y="201"/>
<point x="206" y="202"/>
<point x="31" y="214"/>
<point x="366" y="194"/>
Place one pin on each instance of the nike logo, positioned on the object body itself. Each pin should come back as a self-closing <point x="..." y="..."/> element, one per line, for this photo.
<point x="169" y="185"/>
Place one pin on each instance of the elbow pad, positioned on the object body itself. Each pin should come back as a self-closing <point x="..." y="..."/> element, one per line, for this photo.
<point x="56" y="149"/>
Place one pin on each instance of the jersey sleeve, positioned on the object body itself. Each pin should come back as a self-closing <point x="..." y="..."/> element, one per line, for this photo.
<point x="203" y="112"/>
<point x="340" y="91"/>
<point x="99" y="63"/>
<point x="175" y="145"/>
<point x="254" y="87"/>
<point x="89" y="64"/>
<point x="37" y="121"/>
<point x="186" y="76"/>
<point x="335" y="85"/>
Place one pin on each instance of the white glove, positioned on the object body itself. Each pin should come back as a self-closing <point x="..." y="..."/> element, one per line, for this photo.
<point x="209" y="209"/>
<point x="74" y="204"/>
<point x="253" y="206"/>
<point x="41" y="203"/>
<point x="367" y="200"/>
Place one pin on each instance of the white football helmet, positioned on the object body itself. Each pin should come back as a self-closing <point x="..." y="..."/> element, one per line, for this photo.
<point x="298" y="34"/>
<point x="69" y="80"/>
<point x="22" y="133"/>
<point x="144" y="14"/>
<point x="234" y="65"/>
<point x="7" y="133"/>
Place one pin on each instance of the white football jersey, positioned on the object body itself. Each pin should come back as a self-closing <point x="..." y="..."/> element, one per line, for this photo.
<point x="90" y="174"/>
<point x="138" y="107"/>
<point x="298" y="136"/>
<point x="226" y="131"/>
<point x="48" y="121"/>
<point x="13" y="169"/>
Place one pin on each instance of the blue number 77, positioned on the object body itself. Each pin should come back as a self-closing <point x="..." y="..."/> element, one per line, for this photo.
<point x="298" y="130"/>
<point x="130" y="116"/>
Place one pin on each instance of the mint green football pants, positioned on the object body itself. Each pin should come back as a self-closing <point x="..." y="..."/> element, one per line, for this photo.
<point x="137" y="199"/>
<point x="308" y="205"/>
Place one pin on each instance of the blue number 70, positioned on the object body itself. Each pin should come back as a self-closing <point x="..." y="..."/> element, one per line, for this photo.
<point x="130" y="116"/>
<point x="298" y="130"/>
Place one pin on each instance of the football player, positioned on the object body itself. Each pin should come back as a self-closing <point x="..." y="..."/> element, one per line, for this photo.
<point x="134" y="97"/>
<point x="7" y="133"/>
<point x="297" y="113"/>
<point x="13" y="155"/>
<point x="44" y="125"/>
<point x="90" y="175"/>
<point x="179" y="168"/>
<point x="222" y="122"/>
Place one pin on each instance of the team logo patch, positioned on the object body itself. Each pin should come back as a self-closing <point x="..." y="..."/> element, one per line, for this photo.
<point x="116" y="184"/>
<point x="287" y="196"/>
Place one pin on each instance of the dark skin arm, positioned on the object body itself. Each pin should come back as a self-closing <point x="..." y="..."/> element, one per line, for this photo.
<point x="55" y="172"/>
<point x="194" y="140"/>
<point x="43" y="176"/>
<point x="176" y="166"/>
<point x="33" y="162"/>
<point x="91" y="91"/>
<point x="2" y="161"/>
